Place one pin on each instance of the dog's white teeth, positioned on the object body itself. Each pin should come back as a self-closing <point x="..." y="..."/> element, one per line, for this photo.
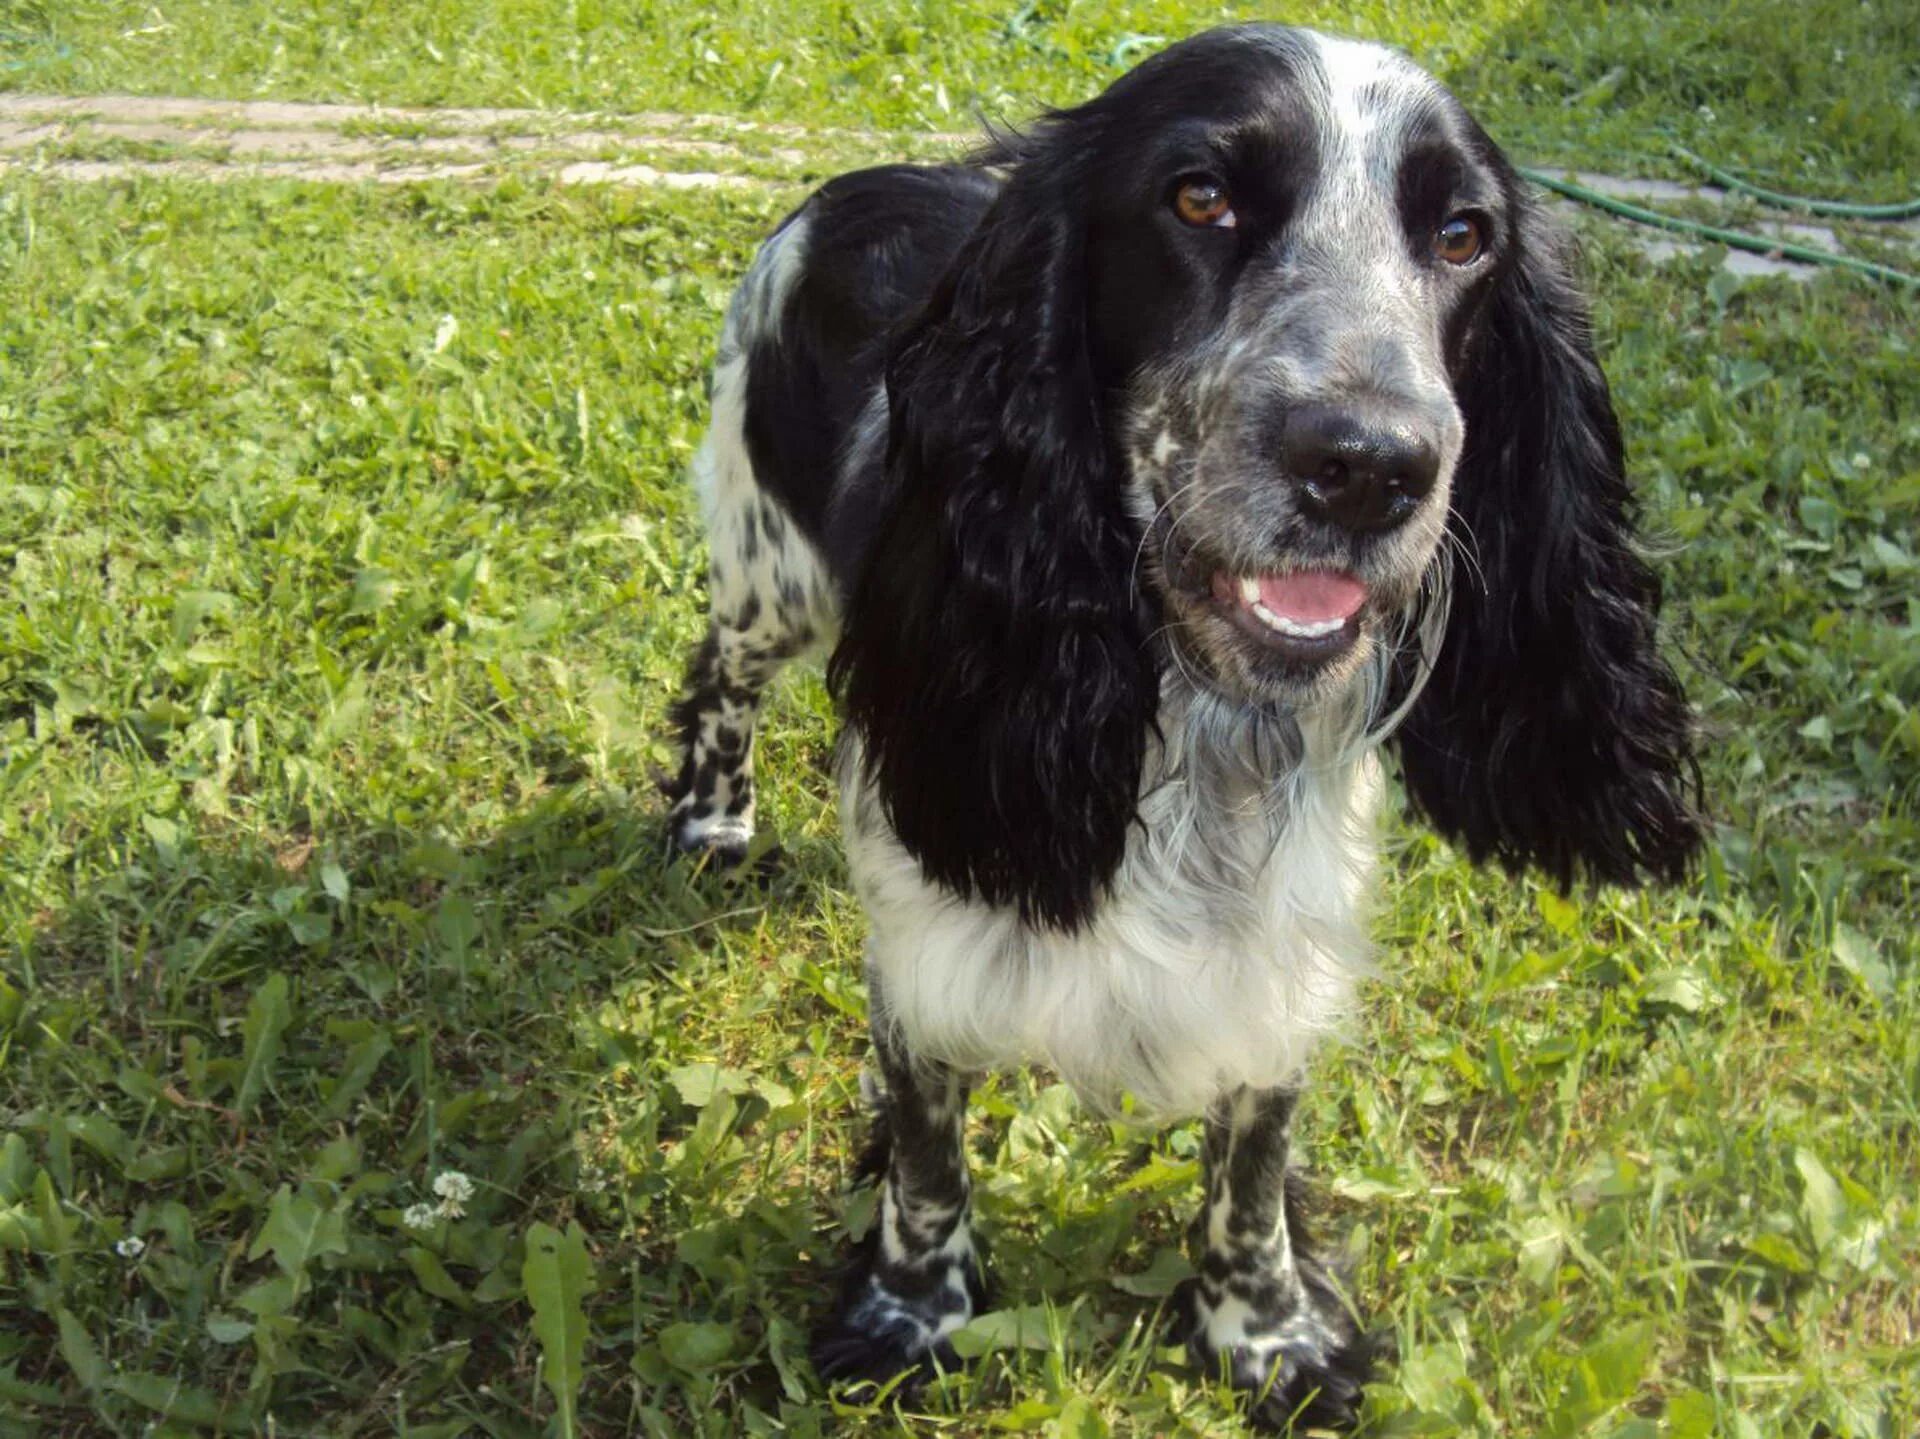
<point x="1248" y="591"/>
<point x="1294" y="629"/>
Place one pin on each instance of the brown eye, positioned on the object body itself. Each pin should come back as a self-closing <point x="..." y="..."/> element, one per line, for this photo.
<point x="1202" y="203"/>
<point x="1459" y="241"/>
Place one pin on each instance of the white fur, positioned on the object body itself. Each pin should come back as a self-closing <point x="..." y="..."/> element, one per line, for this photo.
<point x="1229" y="944"/>
<point x="1352" y="225"/>
<point x="1235" y="1327"/>
<point x="730" y="496"/>
<point x="1369" y="88"/>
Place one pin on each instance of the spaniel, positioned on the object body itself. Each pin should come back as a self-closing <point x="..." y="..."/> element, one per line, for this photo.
<point x="1151" y="475"/>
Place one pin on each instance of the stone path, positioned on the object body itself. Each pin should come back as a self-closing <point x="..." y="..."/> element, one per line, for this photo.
<point x="110" y="137"/>
<point x="103" y="137"/>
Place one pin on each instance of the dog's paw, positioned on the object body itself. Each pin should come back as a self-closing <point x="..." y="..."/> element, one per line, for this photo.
<point x="721" y="846"/>
<point x="1302" y="1364"/>
<point x="899" y="1324"/>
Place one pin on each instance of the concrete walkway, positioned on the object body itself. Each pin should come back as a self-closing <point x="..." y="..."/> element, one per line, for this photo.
<point x="112" y="137"/>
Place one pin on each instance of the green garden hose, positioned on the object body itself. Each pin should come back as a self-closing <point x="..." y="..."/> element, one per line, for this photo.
<point x="1806" y="204"/>
<point x="1733" y="239"/>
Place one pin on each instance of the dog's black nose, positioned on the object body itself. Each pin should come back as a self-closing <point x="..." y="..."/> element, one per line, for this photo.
<point x="1357" y="471"/>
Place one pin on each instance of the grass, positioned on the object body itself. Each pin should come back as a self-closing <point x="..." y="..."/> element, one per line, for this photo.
<point x="1815" y="96"/>
<point x="350" y="571"/>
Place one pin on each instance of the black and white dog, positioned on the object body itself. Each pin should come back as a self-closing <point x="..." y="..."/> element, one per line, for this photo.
<point x="1153" y="472"/>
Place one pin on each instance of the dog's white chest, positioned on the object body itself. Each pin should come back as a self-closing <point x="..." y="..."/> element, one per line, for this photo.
<point x="1230" y="941"/>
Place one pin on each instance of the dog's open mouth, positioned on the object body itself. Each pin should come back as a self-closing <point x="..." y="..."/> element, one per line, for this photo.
<point x="1307" y="615"/>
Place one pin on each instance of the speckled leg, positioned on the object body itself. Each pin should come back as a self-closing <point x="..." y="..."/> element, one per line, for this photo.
<point x="713" y="793"/>
<point x="1263" y="1310"/>
<point x="917" y="1277"/>
<point x="770" y="600"/>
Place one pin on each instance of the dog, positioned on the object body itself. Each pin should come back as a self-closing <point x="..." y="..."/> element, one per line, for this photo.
<point x="1152" y="475"/>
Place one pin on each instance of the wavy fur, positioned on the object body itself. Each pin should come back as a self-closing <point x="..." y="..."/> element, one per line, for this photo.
<point x="993" y="658"/>
<point x="1551" y="731"/>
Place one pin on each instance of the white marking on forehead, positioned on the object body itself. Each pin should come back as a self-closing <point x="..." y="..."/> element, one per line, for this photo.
<point x="1357" y="301"/>
<point x="1367" y="98"/>
<point x="1393" y="86"/>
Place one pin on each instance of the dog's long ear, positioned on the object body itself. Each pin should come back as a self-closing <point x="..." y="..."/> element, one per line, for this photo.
<point x="993" y="660"/>
<point x="1551" y="732"/>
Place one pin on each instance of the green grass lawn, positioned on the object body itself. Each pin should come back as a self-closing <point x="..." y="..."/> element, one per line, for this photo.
<point x="349" y="571"/>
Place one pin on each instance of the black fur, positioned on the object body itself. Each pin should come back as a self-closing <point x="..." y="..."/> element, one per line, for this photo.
<point x="892" y="230"/>
<point x="704" y="691"/>
<point x="1551" y="732"/>
<point x="994" y="658"/>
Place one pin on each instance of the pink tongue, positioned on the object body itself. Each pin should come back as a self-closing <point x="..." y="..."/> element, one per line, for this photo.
<point x="1312" y="595"/>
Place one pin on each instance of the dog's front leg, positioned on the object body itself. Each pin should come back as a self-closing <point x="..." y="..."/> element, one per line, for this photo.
<point x="1263" y="1309"/>
<point x="917" y="1278"/>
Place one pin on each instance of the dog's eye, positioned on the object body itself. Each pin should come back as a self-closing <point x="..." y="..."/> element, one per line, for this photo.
<point x="1459" y="241"/>
<point x="1203" y="203"/>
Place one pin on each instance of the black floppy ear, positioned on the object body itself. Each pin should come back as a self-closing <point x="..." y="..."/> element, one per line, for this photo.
<point x="993" y="661"/>
<point x="1551" y="732"/>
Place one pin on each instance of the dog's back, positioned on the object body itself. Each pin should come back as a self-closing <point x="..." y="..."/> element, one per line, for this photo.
<point x="813" y="336"/>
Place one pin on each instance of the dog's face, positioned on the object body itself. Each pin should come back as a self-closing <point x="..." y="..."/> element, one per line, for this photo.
<point x="1254" y="339"/>
<point x="1289" y="237"/>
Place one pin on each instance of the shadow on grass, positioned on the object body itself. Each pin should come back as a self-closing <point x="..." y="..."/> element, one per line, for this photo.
<point x="231" y="1043"/>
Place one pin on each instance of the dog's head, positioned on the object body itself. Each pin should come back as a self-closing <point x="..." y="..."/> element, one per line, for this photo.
<point x="1289" y="239"/>
<point x="1263" y="365"/>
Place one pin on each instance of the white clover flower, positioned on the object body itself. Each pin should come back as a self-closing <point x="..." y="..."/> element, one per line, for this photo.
<point x="454" y="1189"/>
<point x="420" y="1216"/>
<point x="132" y="1247"/>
